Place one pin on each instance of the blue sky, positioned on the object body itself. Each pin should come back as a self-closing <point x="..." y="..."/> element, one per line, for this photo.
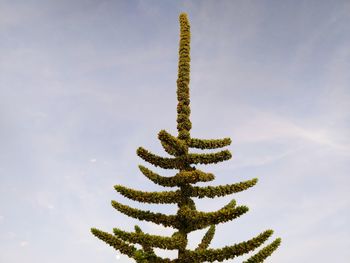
<point x="84" y="83"/>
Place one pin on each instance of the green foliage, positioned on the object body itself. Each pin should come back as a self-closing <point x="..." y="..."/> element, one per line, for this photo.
<point x="181" y="178"/>
<point x="187" y="218"/>
<point x="208" y="237"/>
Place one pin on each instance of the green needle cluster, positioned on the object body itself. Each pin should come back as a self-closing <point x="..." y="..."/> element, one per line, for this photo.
<point x="187" y="218"/>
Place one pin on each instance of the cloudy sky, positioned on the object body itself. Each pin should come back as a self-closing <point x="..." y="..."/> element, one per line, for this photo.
<point x="84" y="83"/>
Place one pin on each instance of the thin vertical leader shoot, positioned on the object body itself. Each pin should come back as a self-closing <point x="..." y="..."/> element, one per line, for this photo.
<point x="183" y="94"/>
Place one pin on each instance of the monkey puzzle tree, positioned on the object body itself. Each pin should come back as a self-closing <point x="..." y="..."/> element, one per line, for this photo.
<point x="187" y="218"/>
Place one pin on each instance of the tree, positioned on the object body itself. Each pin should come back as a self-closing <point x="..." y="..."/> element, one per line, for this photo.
<point x="187" y="219"/>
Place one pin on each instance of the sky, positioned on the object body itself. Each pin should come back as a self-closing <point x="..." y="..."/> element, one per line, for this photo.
<point x="83" y="84"/>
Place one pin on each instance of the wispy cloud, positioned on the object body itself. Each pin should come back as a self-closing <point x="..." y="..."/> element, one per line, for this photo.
<point x="23" y="243"/>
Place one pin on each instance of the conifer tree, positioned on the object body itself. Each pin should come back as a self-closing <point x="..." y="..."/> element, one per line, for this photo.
<point x="187" y="218"/>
